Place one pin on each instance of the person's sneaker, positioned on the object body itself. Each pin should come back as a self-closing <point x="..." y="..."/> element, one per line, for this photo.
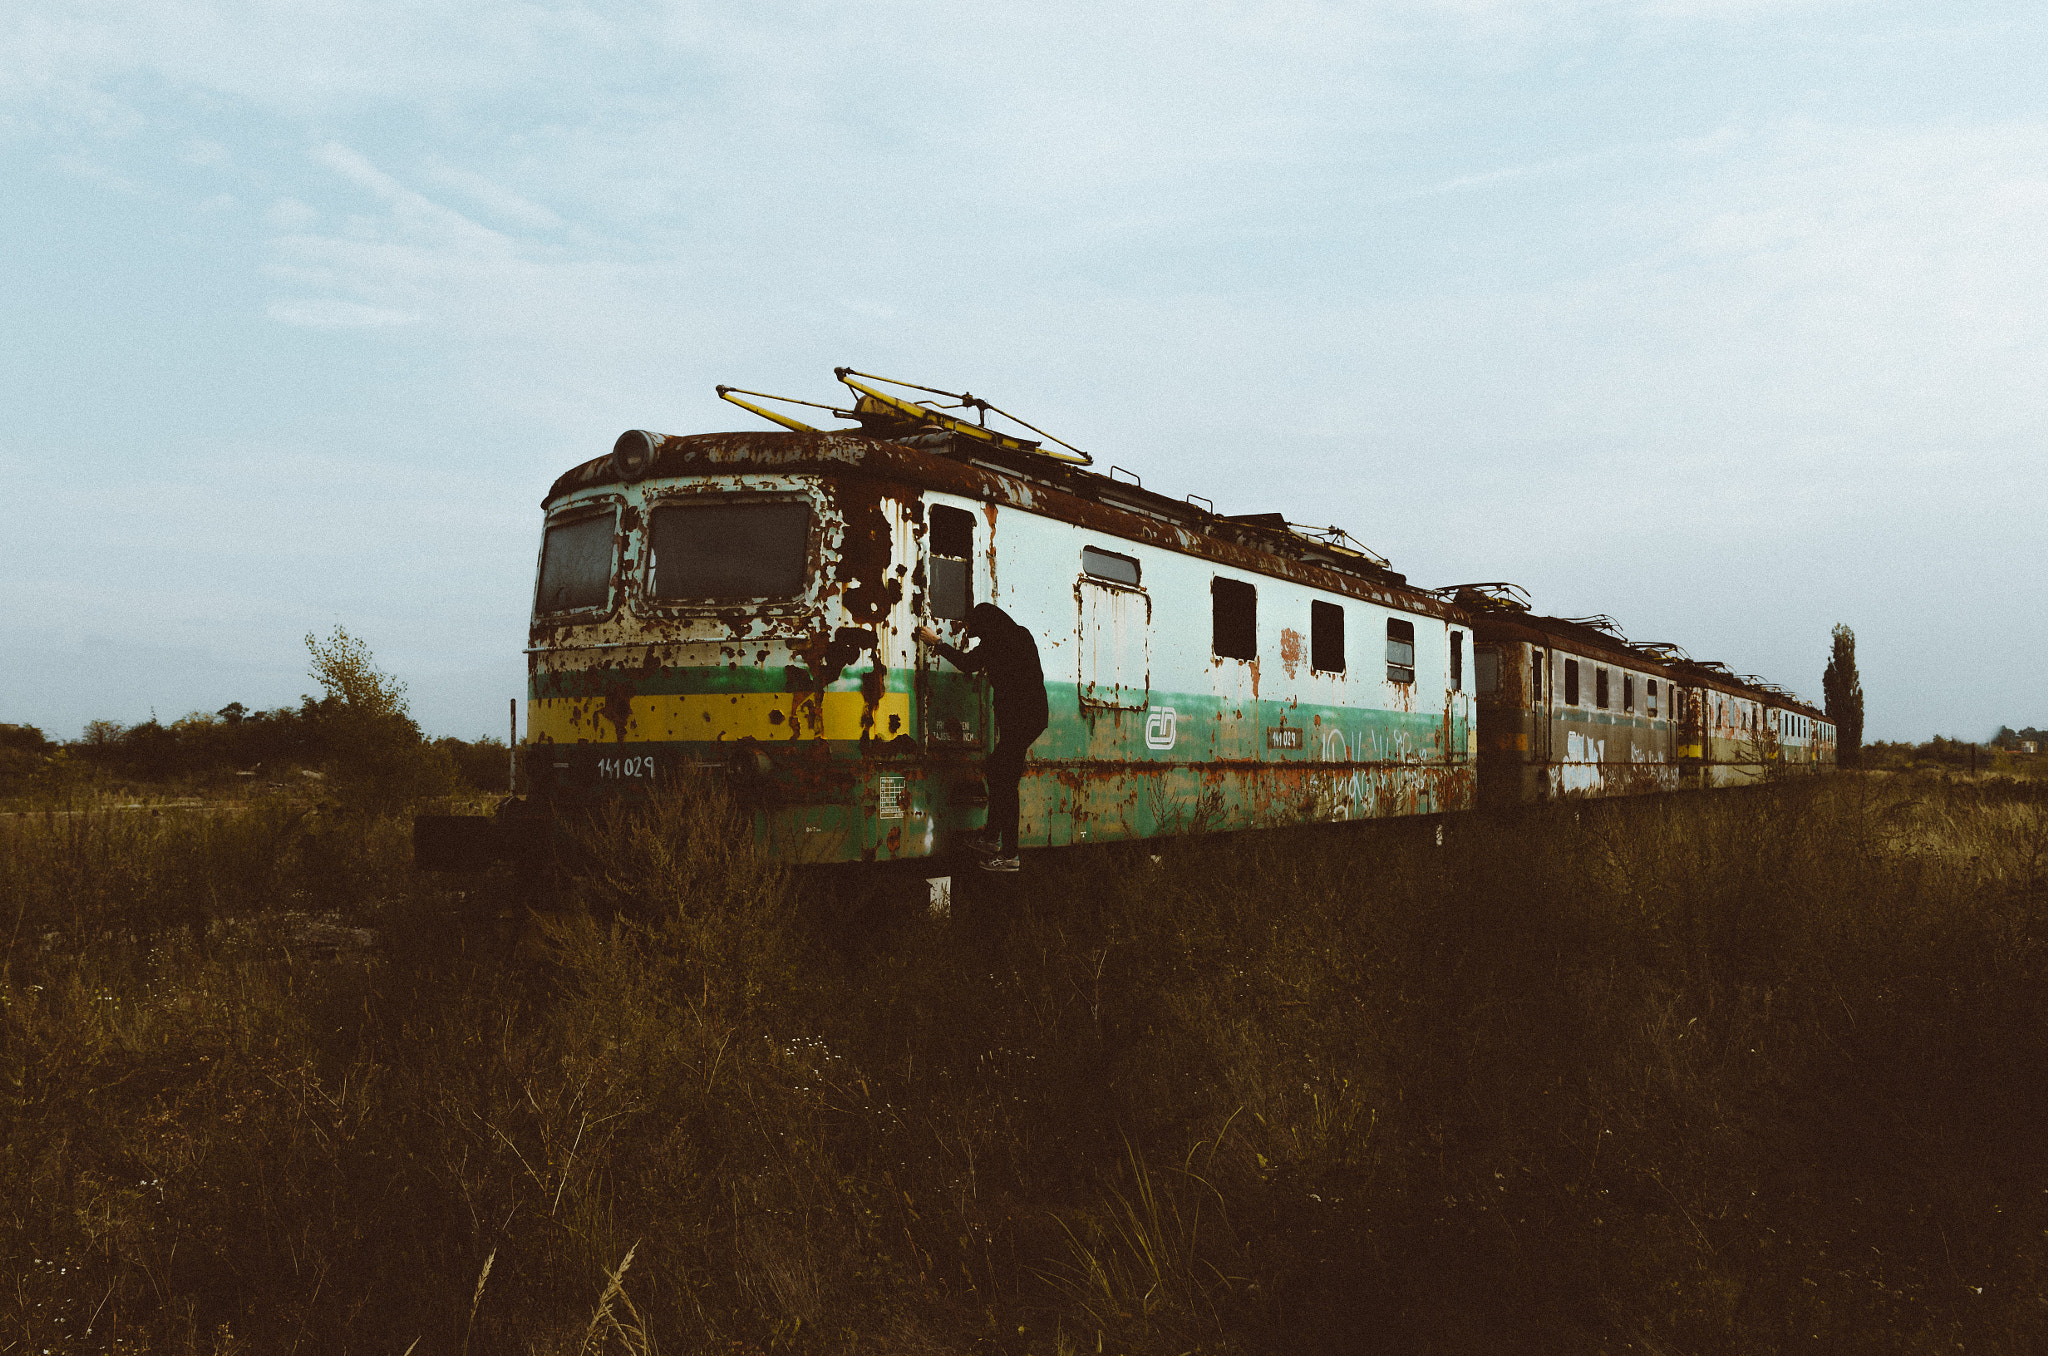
<point x="999" y="864"/>
<point x="983" y="845"/>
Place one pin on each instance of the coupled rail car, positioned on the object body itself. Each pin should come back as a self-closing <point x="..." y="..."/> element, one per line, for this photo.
<point x="747" y="604"/>
<point x="1569" y="707"/>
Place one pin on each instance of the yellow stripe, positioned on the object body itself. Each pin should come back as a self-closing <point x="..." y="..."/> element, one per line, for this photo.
<point x="699" y="716"/>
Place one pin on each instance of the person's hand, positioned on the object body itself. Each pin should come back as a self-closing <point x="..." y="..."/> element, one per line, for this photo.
<point x="928" y="636"/>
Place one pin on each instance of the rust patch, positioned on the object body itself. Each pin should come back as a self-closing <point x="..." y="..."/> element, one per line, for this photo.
<point x="988" y="511"/>
<point x="618" y="707"/>
<point x="822" y="661"/>
<point x="867" y="547"/>
<point x="1290" y="649"/>
<point x="872" y="684"/>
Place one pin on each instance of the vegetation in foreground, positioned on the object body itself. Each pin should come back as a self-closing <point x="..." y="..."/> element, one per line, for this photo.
<point x="1748" y="1071"/>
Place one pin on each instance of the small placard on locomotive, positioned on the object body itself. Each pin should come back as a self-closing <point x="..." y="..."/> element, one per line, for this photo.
<point x="1283" y="736"/>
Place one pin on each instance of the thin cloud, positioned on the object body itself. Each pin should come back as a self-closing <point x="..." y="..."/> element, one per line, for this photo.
<point x="327" y="313"/>
<point x="494" y="198"/>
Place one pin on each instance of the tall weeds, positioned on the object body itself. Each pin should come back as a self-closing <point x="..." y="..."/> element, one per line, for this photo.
<point x="1742" y="1071"/>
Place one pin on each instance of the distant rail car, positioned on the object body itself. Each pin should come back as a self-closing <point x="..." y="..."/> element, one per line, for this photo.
<point x="745" y="605"/>
<point x="1570" y="708"/>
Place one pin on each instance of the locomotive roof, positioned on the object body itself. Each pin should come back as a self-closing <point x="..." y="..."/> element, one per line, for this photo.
<point x="1262" y="543"/>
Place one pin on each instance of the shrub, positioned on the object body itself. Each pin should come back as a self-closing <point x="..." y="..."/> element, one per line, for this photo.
<point x="24" y="754"/>
<point x="482" y="764"/>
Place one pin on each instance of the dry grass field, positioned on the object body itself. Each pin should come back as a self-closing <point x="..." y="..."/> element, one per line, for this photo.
<point x="1753" y="1071"/>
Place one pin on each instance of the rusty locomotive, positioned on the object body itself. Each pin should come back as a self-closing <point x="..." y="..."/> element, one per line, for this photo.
<point x="746" y="604"/>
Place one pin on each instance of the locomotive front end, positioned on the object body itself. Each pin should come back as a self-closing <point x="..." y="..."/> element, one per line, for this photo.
<point x="726" y="606"/>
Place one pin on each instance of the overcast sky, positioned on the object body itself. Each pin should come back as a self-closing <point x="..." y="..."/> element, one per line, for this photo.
<point x="1723" y="317"/>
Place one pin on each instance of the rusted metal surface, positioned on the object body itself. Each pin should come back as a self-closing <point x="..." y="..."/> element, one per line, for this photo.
<point x="850" y="741"/>
<point x="1540" y="741"/>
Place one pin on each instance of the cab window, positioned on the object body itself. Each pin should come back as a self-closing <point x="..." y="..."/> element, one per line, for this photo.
<point x="726" y="550"/>
<point x="576" y="565"/>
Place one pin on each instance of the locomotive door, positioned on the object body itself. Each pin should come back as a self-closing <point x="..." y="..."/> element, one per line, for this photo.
<point x="1116" y="648"/>
<point x="952" y="707"/>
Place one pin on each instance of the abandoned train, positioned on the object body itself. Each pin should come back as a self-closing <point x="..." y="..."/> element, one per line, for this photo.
<point x="748" y="602"/>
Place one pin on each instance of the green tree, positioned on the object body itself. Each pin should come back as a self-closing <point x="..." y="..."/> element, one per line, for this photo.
<point x="1844" y="696"/>
<point x="342" y="664"/>
<point x="376" y="755"/>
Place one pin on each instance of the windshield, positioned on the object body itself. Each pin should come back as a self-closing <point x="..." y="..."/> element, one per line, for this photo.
<point x="727" y="550"/>
<point x="576" y="565"/>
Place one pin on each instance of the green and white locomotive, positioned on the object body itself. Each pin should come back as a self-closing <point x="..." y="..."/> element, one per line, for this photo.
<point x="746" y="605"/>
<point x="747" y="602"/>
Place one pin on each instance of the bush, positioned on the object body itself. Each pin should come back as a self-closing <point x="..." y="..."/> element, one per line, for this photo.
<point x="482" y="764"/>
<point x="358" y="737"/>
<point x="24" y="754"/>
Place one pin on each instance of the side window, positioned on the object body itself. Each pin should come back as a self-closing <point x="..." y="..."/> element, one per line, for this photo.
<point x="1571" y="682"/>
<point x="949" y="573"/>
<point x="1109" y="565"/>
<point x="1487" y="664"/>
<point x="1537" y="665"/>
<point x="1326" y="637"/>
<point x="1457" y="661"/>
<point x="1600" y="687"/>
<point x="1234" y="619"/>
<point x="1650" y="692"/>
<point x="576" y="565"/>
<point x="1628" y="692"/>
<point x="1400" y="651"/>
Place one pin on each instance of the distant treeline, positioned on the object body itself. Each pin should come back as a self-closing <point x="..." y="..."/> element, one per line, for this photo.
<point x="318" y="735"/>
<point x="2005" y="750"/>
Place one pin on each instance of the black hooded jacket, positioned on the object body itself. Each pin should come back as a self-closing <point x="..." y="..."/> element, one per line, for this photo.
<point x="1007" y="654"/>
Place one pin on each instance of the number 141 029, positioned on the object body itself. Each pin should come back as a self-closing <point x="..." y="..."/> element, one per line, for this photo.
<point x="641" y="765"/>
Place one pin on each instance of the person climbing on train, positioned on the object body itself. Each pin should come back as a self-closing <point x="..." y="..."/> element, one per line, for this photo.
<point x="1008" y="656"/>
